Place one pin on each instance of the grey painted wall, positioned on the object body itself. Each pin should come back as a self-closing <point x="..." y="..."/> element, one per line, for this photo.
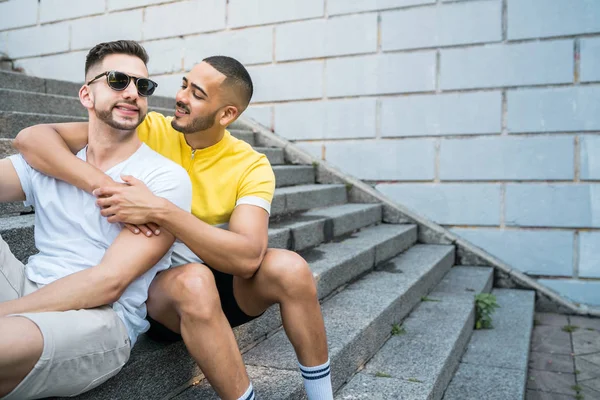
<point x="481" y="114"/>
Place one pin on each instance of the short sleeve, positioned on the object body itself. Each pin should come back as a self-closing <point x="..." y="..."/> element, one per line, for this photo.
<point x="172" y="183"/>
<point x="257" y="185"/>
<point x="25" y="173"/>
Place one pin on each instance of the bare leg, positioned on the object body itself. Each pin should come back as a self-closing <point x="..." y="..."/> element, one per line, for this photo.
<point x="185" y="299"/>
<point x="285" y="278"/>
<point x="21" y="345"/>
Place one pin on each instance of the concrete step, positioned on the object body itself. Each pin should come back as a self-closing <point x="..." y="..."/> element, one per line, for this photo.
<point x="419" y="363"/>
<point x="39" y="103"/>
<point x="495" y="363"/>
<point x="157" y="369"/>
<point x="244" y="134"/>
<point x="12" y="122"/>
<point x="358" y="320"/>
<point x="274" y="154"/>
<point x="312" y="228"/>
<point x="291" y="175"/>
<point x="17" y="81"/>
<point x="17" y="231"/>
<point x="13" y="209"/>
<point x="305" y="197"/>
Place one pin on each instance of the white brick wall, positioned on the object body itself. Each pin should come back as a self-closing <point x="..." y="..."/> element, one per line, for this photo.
<point x="481" y="114"/>
<point x="56" y="10"/>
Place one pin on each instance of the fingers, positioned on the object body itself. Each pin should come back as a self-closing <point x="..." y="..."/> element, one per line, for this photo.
<point x="155" y="228"/>
<point x="130" y="179"/>
<point x="106" y="191"/>
<point x="133" y="228"/>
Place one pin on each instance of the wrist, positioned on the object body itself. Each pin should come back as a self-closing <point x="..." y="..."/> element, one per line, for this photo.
<point x="160" y="213"/>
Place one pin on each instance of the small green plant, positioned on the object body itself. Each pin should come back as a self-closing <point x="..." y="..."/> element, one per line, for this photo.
<point x="315" y="164"/>
<point x="382" y="375"/>
<point x="579" y="396"/>
<point x="425" y="298"/>
<point x="577" y="372"/>
<point x="485" y="305"/>
<point x="349" y="186"/>
<point x="415" y="380"/>
<point x="570" y="328"/>
<point x="577" y="389"/>
<point x="398" y="330"/>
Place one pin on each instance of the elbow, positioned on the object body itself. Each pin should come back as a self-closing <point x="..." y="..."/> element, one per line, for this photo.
<point x="113" y="287"/>
<point x="251" y="266"/>
<point x="23" y="137"/>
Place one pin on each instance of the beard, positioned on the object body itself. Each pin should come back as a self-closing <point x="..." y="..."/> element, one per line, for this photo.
<point x="199" y="124"/>
<point x="107" y="117"/>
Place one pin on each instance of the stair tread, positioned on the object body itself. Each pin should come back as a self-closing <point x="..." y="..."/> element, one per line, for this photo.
<point x="496" y="360"/>
<point x="306" y="230"/>
<point x="419" y="363"/>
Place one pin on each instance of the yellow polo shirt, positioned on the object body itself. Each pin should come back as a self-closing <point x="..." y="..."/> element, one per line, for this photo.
<point x="223" y="176"/>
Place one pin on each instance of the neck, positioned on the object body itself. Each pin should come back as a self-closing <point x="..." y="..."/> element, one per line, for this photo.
<point x="108" y="147"/>
<point x="203" y="139"/>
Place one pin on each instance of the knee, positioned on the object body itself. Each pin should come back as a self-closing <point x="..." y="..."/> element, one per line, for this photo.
<point x="291" y="275"/>
<point x="194" y="293"/>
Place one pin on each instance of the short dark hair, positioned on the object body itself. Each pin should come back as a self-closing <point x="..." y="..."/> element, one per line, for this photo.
<point x="101" y="50"/>
<point x="236" y="76"/>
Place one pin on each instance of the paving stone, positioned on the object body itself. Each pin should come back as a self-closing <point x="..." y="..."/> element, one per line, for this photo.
<point x="587" y="368"/>
<point x="585" y="322"/>
<point x="551" y="362"/>
<point x="537" y="395"/>
<point x="548" y="381"/>
<point x="592" y="387"/>
<point x="13" y="209"/>
<point x="585" y="341"/>
<point x="551" y="319"/>
<point x="512" y="325"/>
<point x="490" y="383"/>
<point x="550" y="339"/>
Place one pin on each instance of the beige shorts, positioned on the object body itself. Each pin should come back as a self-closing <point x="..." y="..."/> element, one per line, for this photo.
<point x="82" y="348"/>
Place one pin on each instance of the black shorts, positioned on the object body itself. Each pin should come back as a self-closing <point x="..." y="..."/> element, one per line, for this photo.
<point x="232" y="311"/>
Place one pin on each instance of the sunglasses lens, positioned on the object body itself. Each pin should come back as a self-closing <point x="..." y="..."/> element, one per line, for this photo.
<point x="145" y="87"/>
<point x="118" y="80"/>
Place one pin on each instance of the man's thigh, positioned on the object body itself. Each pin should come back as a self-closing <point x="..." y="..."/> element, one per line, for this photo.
<point x="82" y="349"/>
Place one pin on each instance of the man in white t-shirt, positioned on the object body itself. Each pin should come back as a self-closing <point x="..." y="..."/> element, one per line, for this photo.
<point x="69" y="318"/>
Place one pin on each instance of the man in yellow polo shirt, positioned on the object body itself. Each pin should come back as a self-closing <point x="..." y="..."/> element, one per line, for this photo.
<point x="223" y="278"/>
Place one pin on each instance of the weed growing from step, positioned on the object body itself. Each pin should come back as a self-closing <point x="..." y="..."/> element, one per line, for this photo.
<point x="570" y="328"/>
<point x="414" y="380"/>
<point x="382" y="375"/>
<point x="485" y="305"/>
<point x="425" y="298"/>
<point x="577" y="390"/>
<point x="398" y="330"/>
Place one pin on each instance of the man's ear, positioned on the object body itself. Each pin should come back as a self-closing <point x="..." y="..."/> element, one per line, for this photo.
<point x="86" y="97"/>
<point x="228" y="115"/>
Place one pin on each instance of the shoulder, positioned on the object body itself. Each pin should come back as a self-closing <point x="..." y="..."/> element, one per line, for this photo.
<point x="155" y="124"/>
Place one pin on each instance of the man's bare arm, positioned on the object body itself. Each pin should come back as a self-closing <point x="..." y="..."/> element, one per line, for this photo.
<point x="10" y="185"/>
<point x="238" y="251"/>
<point x="126" y="259"/>
<point x="56" y="157"/>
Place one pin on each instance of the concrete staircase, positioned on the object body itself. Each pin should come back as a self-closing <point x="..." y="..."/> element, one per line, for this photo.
<point x="399" y="314"/>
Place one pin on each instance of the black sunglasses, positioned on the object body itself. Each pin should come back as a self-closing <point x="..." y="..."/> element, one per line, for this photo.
<point x="119" y="81"/>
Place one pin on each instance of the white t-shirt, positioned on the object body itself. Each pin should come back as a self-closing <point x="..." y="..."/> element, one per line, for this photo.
<point x="71" y="235"/>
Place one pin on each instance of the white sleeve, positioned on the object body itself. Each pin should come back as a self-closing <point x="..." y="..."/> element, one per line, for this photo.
<point x="172" y="183"/>
<point x="25" y="173"/>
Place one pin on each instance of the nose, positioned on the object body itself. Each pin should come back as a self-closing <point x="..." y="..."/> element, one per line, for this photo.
<point x="130" y="91"/>
<point x="181" y="96"/>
